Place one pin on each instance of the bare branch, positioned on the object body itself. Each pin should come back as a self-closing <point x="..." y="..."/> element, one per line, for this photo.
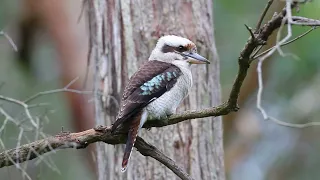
<point x="8" y="118"/>
<point x="11" y="160"/>
<point x="288" y="19"/>
<point x="303" y="21"/>
<point x="220" y="110"/>
<point x="24" y="105"/>
<point x="83" y="139"/>
<point x="293" y="125"/>
<point x="65" y="89"/>
<point x="14" y="46"/>
<point x="286" y="43"/>
<point x="250" y="31"/>
<point x="263" y="15"/>
<point x="148" y="150"/>
<point x="256" y="52"/>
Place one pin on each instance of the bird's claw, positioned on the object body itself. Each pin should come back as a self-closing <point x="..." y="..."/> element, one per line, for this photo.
<point x="165" y="119"/>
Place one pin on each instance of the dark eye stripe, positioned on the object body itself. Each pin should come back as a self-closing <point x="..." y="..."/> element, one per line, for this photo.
<point x="167" y="48"/>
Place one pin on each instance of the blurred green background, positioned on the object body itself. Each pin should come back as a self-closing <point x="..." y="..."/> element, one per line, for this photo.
<point x="255" y="149"/>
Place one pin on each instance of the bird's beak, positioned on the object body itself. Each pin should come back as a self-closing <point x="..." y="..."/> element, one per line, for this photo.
<point x="195" y="58"/>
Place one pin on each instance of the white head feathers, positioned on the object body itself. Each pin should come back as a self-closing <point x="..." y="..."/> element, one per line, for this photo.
<point x="174" y="41"/>
<point x="166" y="47"/>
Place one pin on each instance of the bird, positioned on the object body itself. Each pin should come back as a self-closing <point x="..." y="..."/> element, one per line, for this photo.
<point x="157" y="88"/>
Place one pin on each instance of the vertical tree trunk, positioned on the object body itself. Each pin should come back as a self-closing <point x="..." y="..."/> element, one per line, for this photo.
<point x="130" y="31"/>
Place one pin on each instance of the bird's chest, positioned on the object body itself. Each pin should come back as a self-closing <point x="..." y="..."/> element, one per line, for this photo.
<point x="167" y="103"/>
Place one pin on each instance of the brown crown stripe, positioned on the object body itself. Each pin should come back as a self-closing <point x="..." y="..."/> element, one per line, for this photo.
<point x="190" y="46"/>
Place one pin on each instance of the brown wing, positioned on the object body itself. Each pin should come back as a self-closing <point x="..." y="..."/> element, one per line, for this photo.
<point x="152" y="80"/>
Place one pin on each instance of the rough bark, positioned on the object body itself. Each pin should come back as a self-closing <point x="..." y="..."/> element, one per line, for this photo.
<point x="130" y="32"/>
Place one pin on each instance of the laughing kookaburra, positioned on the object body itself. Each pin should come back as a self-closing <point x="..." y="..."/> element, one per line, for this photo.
<point x="158" y="87"/>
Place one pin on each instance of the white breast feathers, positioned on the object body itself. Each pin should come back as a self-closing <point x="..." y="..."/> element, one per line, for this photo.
<point x="167" y="104"/>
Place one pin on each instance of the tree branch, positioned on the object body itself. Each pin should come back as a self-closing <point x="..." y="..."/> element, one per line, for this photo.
<point x="61" y="141"/>
<point x="14" y="46"/>
<point x="102" y="134"/>
<point x="149" y="150"/>
<point x="263" y="15"/>
<point x="286" y="43"/>
<point x="302" y="21"/>
<point x="81" y="140"/>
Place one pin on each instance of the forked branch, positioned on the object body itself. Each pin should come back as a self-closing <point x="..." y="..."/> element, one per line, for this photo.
<point x="102" y="134"/>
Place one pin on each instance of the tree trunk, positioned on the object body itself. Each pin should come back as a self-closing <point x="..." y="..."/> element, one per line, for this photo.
<point x="129" y="31"/>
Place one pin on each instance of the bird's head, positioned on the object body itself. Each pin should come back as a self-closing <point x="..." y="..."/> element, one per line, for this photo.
<point x="174" y="48"/>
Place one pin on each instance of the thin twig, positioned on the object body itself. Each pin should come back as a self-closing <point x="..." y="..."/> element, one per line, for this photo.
<point x="293" y="125"/>
<point x="83" y="139"/>
<point x="51" y="165"/>
<point x="10" y="159"/>
<point x="287" y="19"/>
<point x="24" y="105"/>
<point x="8" y="117"/>
<point x="256" y="52"/>
<point x="9" y="40"/>
<point x="303" y="21"/>
<point x="263" y="15"/>
<point x="250" y="31"/>
<point x="286" y="43"/>
<point x="65" y="89"/>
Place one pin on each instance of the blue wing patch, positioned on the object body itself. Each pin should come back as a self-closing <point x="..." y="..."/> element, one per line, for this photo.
<point x="155" y="83"/>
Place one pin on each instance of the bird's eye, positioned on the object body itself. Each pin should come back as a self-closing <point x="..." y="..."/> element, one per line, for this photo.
<point x="180" y="49"/>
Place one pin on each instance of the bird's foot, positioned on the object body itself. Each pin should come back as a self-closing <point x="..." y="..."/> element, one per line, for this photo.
<point x="165" y="119"/>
